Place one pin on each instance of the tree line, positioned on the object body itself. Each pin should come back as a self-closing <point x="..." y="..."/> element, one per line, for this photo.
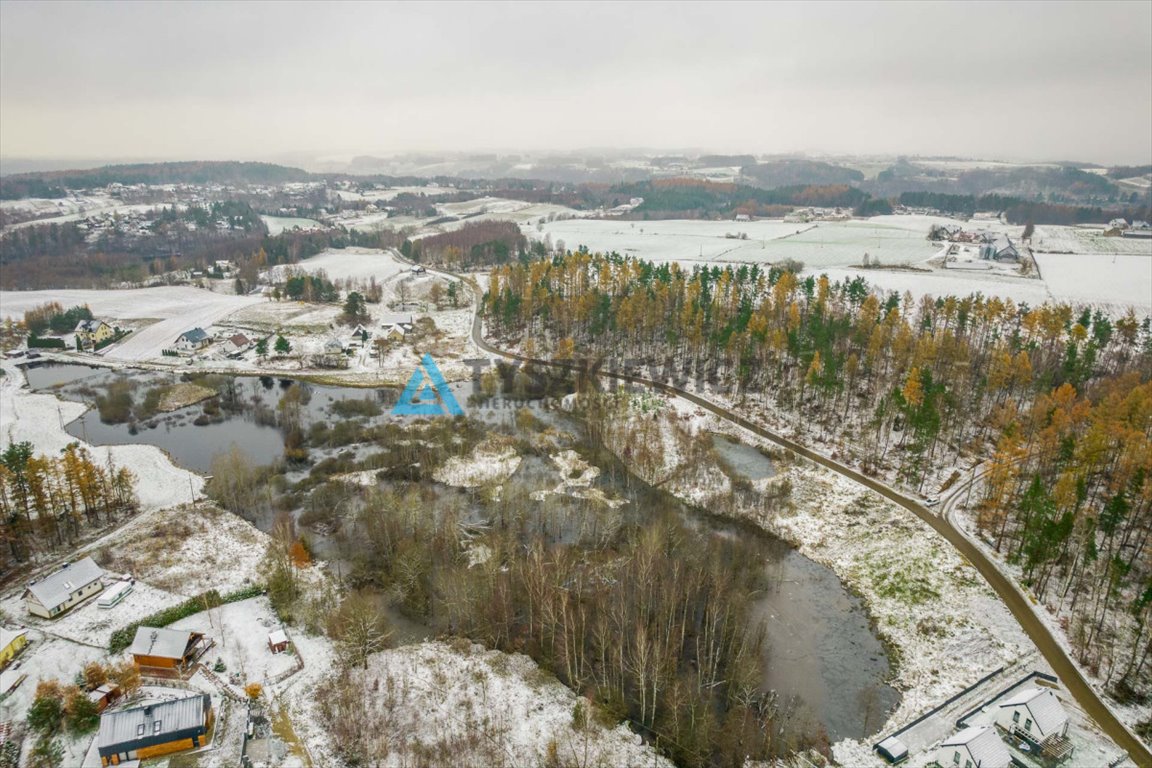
<point x="48" y="502"/>
<point x="904" y="388"/>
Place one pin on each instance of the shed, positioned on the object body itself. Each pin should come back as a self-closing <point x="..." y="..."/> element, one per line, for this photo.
<point x="278" y="641"/>
<point x="103" y="696"/>
<point x="155" y="729"/>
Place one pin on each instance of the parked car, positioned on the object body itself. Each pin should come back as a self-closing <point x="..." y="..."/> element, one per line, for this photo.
<point x="931" y="501"/>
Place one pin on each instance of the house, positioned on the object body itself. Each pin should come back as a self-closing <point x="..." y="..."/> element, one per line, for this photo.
<point x="104" y="696"/>
<point x="333" y="347"/>
<point x="167" y="650"/>
<point x="278" y="641"/>
<point x="999" y="248"/>
<point x="396" y="326"/>
<point x="73" y="583"/>
<point x="237" y="344"/>
<point x="975" y="747"/>
<point x="1036" y="715"/>
<point x="197" y="338"/>
<point x="11" y="643"/>
<point x="90" y="333"/>
<point x="155" y="729"/>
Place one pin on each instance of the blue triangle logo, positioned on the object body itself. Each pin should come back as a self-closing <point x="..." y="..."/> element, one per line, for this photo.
<point x="427" y="394"/>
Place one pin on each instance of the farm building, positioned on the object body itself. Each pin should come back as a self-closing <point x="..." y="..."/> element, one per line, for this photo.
<point x="54" y="594"/>
<point x="11" y="643"/>
<point x="90" y="333"/>
<point x="161" y="650"/>
<point x="197" y="338"/>
<point x="154" y="729"/>
<point x="278" y="641"/>
<point x="976" y="747"/>
<point x="1036" y="716"/>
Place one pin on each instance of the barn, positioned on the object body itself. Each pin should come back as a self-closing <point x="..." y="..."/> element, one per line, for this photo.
<point x="160" y="728"/>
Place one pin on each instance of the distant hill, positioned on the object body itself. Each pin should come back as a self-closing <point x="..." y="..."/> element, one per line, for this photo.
<point x="799" y="172"/>
<point x="56" y="183"/>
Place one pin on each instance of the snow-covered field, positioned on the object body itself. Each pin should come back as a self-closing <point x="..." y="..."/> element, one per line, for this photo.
<point x="1109" y="272"/>
<point x="176" y="309"/>
<point x="278" y="224"/>
<point x="350" y="263"/>
<point x="1113" y="281"/>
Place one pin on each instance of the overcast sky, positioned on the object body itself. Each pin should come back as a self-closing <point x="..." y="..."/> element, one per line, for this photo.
<point x="188" y="80"/>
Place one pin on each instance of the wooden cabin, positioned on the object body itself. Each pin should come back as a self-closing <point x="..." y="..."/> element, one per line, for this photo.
<point x="167" y="650"/>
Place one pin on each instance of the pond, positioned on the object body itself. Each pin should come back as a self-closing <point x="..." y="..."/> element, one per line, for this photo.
<point x="821" y="648"/>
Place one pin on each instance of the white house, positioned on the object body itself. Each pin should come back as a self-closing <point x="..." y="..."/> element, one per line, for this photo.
<point x="1035" y="713"/>
<point x="237" y="344"/>
<point x="999" y="249"/>
<point x="197" y="338"/>
<point x="56" y="593"/>
<point x="975" y="747"/>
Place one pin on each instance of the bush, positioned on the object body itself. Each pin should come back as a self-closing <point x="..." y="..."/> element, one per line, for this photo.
<point x="38" y="343"/>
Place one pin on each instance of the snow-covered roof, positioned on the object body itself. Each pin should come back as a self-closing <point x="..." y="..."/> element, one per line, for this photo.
<point x="162" y="643"/>
<point x="985" y="746"/>
<point x="55" y="589"/>
<point x="89" y="325"/>
<point x="124" y="727"/>
<point x="1047" y="713"/>
<point x="8" y="635"/>
<point x="194" y="335"/>
<point x="278" y="636"/>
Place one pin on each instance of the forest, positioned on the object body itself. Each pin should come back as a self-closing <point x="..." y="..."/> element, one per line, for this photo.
<point x="48" y="502"/>
<point x="1056" y="397"/>
<point x="475" y="244"/>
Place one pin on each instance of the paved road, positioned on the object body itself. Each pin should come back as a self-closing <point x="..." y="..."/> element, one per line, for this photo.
<point x="1018" y="603"/>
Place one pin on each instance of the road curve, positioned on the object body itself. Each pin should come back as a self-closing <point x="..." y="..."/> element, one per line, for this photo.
<point x="1018" y="603"/>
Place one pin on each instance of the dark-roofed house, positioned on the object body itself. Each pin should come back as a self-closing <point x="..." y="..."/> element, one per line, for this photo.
<point x="999" y="248"/>
<point x="976" y="747"/>
<point x="1035" y="714"/>
<point x="154" y="729"/>
<point x="163" y="650"/>
<point x="197" y="338"/>
<point x="56" y="593"/>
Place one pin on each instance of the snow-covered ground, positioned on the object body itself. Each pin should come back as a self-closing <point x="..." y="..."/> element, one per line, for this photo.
<point x="40" y="419"/>
<point x="278" y="224"/>
<point x="350" y="263"/>
<point x="481" y="707"/>
<point x="175" y="309"/>
<point x="491" y="462"/>
<point x="1108" y="272"/>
